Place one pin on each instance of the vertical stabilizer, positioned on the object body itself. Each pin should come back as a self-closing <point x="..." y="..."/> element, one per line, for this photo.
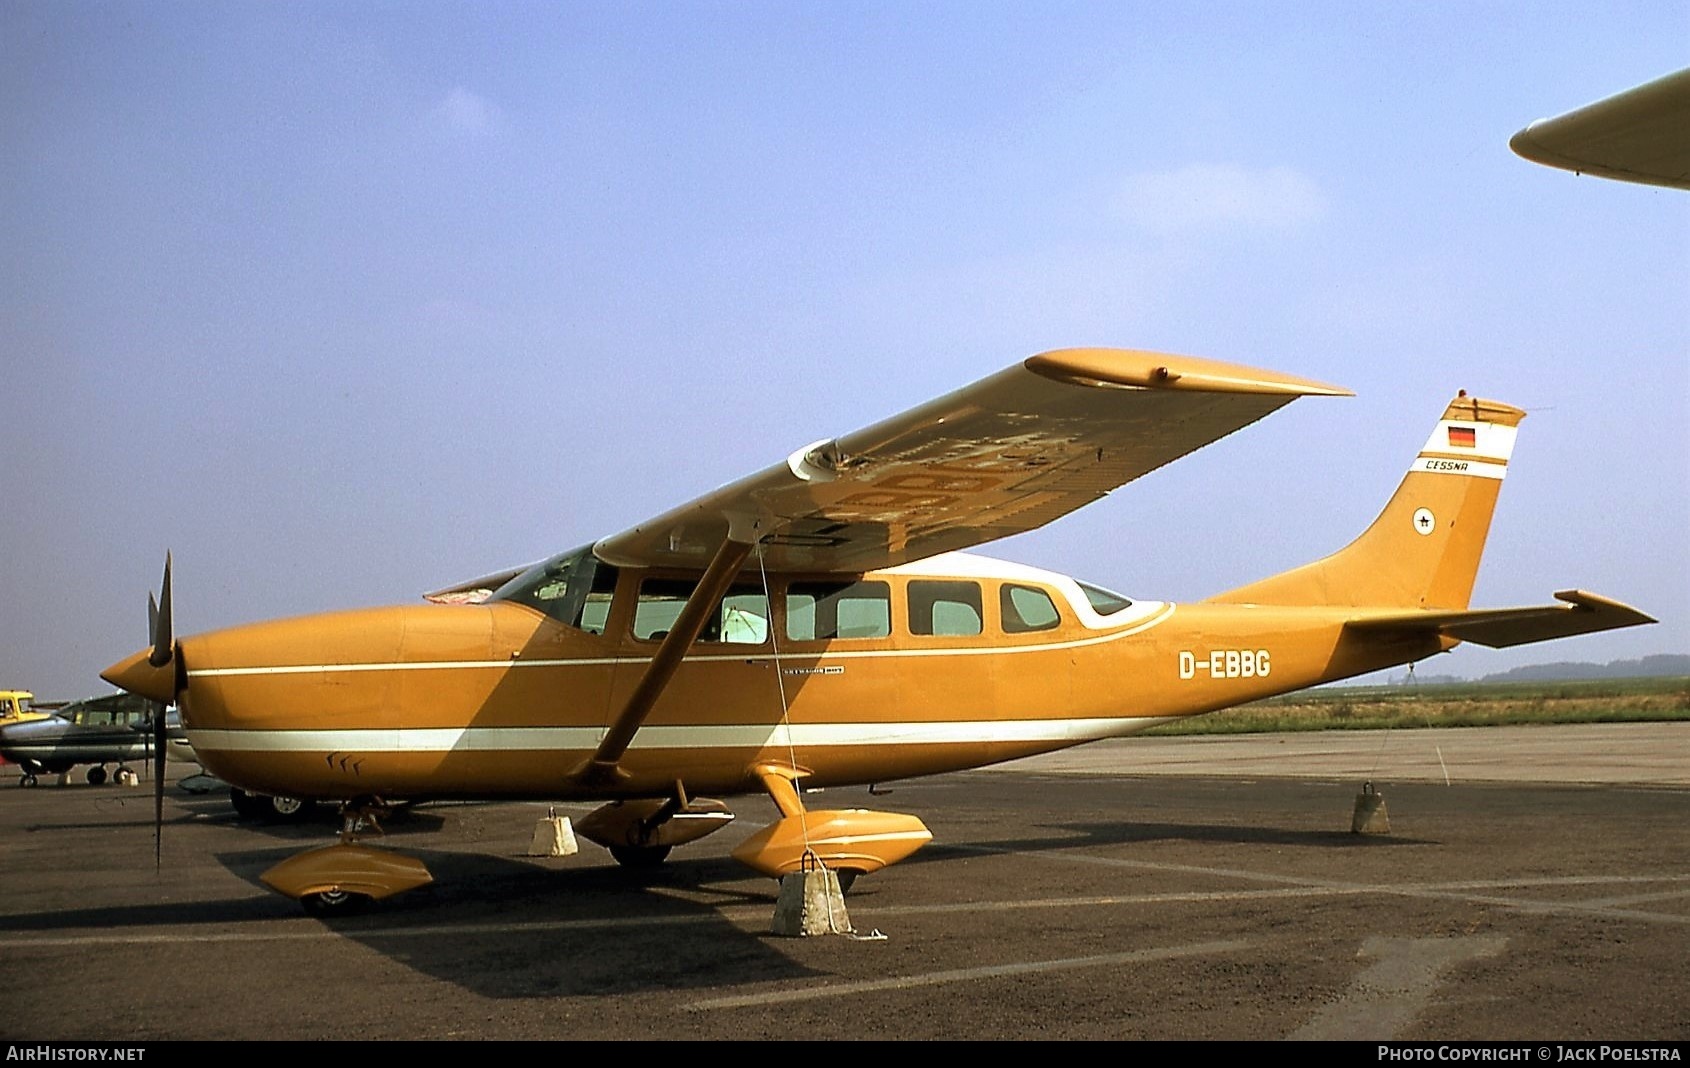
<point x="1423" y="551"/>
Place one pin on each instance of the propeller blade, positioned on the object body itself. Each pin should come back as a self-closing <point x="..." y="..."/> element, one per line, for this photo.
<point x="161" y="745"/>
<point x="161" y="632"/>
<point x="163" y="636"/>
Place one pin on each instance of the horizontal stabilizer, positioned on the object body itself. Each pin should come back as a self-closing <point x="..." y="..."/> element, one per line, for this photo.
<point x="1579" y="613"/>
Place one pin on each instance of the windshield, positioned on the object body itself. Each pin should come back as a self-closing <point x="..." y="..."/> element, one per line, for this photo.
<point x="573" y="588"/>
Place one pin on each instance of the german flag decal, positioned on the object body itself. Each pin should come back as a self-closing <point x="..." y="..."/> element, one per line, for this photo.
<point x="1463" y="436"/>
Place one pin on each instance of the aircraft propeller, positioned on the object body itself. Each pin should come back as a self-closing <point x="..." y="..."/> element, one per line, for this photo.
<point x="161" y="632"/>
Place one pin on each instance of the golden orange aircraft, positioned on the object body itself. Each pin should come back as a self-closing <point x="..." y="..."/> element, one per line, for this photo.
<point x="816" y="624"/>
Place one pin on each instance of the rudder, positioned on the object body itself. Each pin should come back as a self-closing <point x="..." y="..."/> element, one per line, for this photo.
<point x="1423" y="551"/>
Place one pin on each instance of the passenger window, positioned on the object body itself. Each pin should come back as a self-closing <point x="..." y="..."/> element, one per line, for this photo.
<point x="1026" y="609"/>
<point x="949" y="609"/>
<point x="822" y="611"/>
<point x="740" y="618"/>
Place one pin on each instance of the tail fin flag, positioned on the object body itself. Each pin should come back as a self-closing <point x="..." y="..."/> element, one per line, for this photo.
<point x="1423" y="551"/>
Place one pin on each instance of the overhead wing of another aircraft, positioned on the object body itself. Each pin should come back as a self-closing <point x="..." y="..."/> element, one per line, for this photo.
<point x="999" y="457"/>
<point x="1640" y="135"/>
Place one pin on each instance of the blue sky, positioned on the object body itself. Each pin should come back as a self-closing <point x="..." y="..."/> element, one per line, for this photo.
<point x="343" y="302"/>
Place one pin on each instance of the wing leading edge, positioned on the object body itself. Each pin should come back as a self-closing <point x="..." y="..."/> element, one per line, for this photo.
<point x="1005" y="455"/>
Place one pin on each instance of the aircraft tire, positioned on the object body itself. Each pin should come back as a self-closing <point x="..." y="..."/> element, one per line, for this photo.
<point x="847" y="876"/>
<point x="286" y="809"/>
<point x="26" y="779"/>
<point x="97" y="775"/>
<point x="640" y="856"/>
<point x="335" y="903"/>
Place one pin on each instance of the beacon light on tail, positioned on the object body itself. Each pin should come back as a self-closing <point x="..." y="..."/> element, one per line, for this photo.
<point x="820" y="624"/>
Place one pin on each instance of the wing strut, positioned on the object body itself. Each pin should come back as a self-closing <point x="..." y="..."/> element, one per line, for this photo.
<point x="601" y="768"/>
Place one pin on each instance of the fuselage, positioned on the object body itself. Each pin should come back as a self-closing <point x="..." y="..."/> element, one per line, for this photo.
<point x="952" y="663"/>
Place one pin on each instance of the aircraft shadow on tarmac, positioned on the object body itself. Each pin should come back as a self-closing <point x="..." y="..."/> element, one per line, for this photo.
<point x="504" y="928"/>
<point x="509" y="927"/>
<point x="1066" y="836"/>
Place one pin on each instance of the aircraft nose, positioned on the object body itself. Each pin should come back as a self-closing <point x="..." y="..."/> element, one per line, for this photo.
<point x="138" y="675"/>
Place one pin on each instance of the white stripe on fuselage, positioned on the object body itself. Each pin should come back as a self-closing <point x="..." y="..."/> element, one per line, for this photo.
<point x="725" y="736"/>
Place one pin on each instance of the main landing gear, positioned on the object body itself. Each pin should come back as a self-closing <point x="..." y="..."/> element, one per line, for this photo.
<point x="640" y="833"/>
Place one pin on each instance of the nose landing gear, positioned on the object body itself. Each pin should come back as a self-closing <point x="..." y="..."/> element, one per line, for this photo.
<point x="343" y="878"/>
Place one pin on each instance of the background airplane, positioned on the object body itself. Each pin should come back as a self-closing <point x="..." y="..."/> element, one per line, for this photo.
<point x="818" y="624"/>
<point x="114" y="729"/>
<point x="119" y="729"/>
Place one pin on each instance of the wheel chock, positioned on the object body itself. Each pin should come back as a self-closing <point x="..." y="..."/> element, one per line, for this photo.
<point x="1370" y="815"/>
<point x="553" y="837"/>
<point x="810" y="903"/>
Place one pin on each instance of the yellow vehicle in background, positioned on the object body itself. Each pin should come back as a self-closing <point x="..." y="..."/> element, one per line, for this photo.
<point x="17" y="706"/>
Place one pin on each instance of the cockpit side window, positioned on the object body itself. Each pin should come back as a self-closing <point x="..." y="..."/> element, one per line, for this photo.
<point x="574" y="588"/>
<point x="740" y="618"/>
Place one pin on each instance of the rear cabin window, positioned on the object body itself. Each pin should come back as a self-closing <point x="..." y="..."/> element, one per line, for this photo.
<point x="823" y="611"/>
<point x="1026" y="609"/>
<point x="741" y="617"/>
<point x="945" y="609"/>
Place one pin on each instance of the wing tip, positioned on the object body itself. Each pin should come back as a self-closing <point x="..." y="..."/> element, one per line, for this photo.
<point x="1584" y="599"/>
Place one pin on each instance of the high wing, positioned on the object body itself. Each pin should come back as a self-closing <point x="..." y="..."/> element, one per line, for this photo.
<point x="1498" y="628"/>
<point x="1640" y="135"/>
<point x="1005" y="455"/>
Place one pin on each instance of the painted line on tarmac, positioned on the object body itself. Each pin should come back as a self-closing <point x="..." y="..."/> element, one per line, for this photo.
<point x="293" y="934"/>
<point x="1634" y="899"/>
<point x="755" y="917"/>
<point x="1452" y="891"/>
<point x="966" y="975"/>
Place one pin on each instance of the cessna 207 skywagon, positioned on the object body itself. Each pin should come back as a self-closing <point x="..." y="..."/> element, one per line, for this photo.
<point x="816" y="624"/>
